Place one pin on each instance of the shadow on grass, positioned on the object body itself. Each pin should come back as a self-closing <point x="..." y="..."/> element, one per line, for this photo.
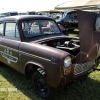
<point x="19" y="81"/>
<point x="87" y="89"/>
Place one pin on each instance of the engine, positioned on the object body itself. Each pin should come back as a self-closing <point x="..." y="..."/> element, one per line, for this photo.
<point x="71" y="45"/>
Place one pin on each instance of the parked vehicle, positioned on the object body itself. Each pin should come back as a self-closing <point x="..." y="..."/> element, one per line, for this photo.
<point x="36" y="47"/>
<point x="1" y="16"/>
<point x="31" y="12"/>
<point x="12" y="13"/>
<point x="69" y="21"/>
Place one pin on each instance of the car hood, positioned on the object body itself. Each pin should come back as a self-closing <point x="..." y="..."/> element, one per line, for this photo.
<point x="89" y="38"/>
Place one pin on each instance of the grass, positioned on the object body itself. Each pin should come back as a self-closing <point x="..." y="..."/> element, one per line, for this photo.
<point x="88" y="89"/>
<point x="73" y="33"/>
<point x="14" y="85"/>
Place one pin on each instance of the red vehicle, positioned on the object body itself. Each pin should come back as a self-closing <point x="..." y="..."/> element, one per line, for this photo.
<point x="35" y="46"/>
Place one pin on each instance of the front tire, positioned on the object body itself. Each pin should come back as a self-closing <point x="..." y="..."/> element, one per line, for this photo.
<point x="41" y="86"/>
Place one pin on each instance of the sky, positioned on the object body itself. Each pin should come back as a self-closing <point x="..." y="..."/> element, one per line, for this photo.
<point x="29" y="5"/>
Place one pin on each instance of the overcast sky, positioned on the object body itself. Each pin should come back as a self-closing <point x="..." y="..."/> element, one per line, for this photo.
<point x="29" y="5"/>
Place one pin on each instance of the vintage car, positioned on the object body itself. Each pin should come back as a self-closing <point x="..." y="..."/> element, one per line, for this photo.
<point x="35" y="46"/>
<point x="69" y="21"/>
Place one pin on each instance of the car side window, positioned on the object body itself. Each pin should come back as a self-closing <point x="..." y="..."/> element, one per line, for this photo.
<point x="1" y="28"/>
<point x="11" y="30"/>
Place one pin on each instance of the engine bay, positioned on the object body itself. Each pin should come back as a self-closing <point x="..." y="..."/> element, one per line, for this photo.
<point x="70" y="45"/>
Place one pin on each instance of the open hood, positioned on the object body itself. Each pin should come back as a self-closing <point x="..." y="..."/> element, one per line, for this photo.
<point x="89" y="36"/>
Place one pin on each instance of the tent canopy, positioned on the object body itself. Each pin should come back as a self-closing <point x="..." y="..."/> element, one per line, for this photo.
<point x="93" y="2"/>
<point x="79" y="4"/>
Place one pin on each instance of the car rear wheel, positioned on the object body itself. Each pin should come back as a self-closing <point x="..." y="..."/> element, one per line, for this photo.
<point x="41" y="86"/>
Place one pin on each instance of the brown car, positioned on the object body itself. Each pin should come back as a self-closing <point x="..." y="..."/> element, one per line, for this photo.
<point x="35" y="46"/>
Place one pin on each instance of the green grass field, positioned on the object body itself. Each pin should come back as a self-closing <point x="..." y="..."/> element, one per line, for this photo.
<point x="73" y="33"/>
<point x="14" y="86"/>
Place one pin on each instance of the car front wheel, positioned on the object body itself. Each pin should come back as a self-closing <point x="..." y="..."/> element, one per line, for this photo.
<point x="41" y="86"/>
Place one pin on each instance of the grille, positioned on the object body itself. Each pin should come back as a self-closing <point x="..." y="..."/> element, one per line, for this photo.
<point x="80" y="68"/>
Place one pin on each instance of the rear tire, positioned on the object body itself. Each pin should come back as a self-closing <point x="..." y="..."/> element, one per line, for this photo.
<point x="41" y="86"/>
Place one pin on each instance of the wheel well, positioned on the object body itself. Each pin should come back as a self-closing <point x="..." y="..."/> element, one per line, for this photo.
<point x="30" y="68"/>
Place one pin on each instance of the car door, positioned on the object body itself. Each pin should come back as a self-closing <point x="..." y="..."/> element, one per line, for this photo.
<point x="10" y="45"/>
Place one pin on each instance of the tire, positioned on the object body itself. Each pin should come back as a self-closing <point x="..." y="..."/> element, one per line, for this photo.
<point x="41" y="86"/>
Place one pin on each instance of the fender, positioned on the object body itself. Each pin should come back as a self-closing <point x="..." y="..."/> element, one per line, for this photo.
<point x="34" y="63"/>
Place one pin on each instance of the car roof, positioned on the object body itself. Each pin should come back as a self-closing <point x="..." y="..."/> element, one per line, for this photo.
<point x="23" y="17"/>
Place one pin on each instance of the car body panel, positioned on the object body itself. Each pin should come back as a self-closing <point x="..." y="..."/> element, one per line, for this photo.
<point x="88" y="37"/>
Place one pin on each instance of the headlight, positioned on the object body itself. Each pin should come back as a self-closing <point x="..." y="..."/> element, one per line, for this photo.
<point x="67" y="62"/>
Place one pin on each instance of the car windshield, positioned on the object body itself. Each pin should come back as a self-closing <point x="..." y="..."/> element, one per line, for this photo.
<point x="39" y="27"/>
